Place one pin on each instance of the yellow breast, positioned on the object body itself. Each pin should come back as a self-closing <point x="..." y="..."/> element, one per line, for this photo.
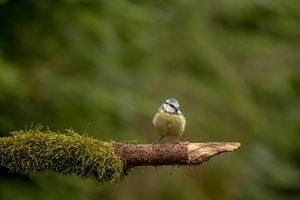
<point x="169" y="124"/>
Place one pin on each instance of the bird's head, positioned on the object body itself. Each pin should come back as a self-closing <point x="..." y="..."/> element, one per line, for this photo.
<point x="171" y="106"/>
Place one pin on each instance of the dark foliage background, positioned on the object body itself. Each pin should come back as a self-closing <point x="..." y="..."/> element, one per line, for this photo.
<point x="103" y="67"/>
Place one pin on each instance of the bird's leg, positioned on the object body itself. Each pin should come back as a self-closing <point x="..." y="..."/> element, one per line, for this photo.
<point x="161" y="137"/>
<point x="157" y="142"/>
<point x="177" y="140"/>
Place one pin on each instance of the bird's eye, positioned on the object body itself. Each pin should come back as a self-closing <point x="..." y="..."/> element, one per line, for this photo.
<point x="172" y="106"/>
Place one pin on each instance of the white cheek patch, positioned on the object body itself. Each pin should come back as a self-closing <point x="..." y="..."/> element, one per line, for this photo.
<point x="169" y="108"/>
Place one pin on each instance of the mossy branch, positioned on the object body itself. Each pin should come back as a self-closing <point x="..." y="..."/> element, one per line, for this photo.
<point x="66" y="154"/>
<point x="42" y="151"/>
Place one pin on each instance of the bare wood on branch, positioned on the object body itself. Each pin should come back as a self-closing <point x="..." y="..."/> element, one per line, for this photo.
<point x="183" y="153"/>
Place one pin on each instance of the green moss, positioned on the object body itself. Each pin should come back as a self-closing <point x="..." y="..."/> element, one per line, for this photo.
<point x="66" y="154"/>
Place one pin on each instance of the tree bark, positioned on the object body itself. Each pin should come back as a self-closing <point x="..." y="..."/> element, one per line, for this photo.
<point x="183" y="153"/>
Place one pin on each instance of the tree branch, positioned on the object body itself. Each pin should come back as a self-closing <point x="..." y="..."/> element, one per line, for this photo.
<point x="35" y="150"/>
<point x="184" y="153"/>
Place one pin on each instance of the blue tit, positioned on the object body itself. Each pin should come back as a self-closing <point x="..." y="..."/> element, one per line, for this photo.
<point x="169" y="120"/>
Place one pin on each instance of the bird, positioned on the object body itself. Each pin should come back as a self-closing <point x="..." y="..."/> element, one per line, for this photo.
<point x="169" y="120"/>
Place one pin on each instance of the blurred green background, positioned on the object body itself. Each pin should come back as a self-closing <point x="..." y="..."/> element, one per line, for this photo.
<point x="104" y="67"/>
